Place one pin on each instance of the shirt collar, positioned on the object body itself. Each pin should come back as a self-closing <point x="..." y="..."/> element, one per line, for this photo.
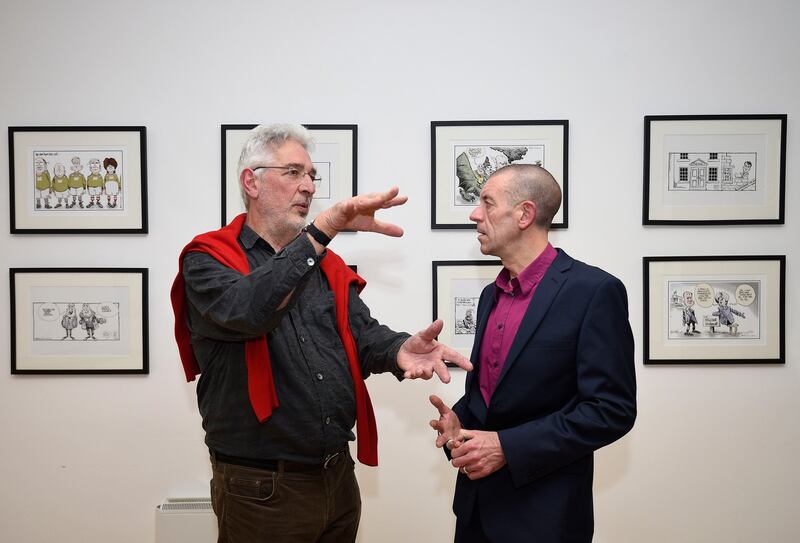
<point x="529" y="277"/>
<point x="248" y="238"/>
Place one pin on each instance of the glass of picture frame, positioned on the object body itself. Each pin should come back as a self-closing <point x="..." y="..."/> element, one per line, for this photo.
<point x="714" y="309"/>
<point x="79" y="320"/>
<point x="78" y="179"/>
<point x="714" y="169"/>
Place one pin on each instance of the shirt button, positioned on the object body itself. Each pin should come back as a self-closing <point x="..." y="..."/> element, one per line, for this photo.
<point x="499" y="326"/>
<point x="310" y="261"/>
<point x="302" y="339"/>
<point x="319" y="377"/>
<point x="327" y="420"/>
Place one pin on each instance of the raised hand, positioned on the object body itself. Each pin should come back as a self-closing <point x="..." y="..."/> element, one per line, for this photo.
<point x="447" y="426"/>
<point x="421" y="355"/>
<point x="358" y="214"/>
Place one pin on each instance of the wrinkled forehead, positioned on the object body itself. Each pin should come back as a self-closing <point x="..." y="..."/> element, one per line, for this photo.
<point x="498" y="182"/>
<point x="291" y="152"/>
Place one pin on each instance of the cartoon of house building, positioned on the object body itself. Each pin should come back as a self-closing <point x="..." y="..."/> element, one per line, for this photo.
<point x="711" y="171"/>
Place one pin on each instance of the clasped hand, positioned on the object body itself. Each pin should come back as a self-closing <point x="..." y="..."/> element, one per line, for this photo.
<point x="474" y="453"/>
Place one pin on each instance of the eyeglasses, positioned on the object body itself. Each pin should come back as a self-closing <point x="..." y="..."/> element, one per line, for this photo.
<point x="293" y="173"/>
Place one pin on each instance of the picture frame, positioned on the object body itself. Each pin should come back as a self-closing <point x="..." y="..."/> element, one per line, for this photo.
<point x="335" y="156"/>
<point x="714" y="169"/>
<point x="78" y="179"/>
<point x="465" y="153"/>
<point x="79" y="320"/>
<point x="457" y="286"/>
<point x="714" y="309"/>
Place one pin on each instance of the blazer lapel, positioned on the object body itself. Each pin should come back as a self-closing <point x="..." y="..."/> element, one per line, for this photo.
<point x="545" y="293"/>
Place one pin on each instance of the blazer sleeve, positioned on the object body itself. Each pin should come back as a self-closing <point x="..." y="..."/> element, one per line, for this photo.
<point x="605" y="406"/>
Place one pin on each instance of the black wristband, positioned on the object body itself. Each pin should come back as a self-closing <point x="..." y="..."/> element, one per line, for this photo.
<point x="320" y="236"/>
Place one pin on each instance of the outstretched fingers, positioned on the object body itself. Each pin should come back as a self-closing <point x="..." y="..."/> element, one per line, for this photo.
<point x="441" y="370"/>
<point x="451" y="355"/>
<point x="396" y="201"/>
<point x="387" y="229"/>
<point x="432" y="331"/>
<point x="439" y="404"/>
<point x="379" y="200"/>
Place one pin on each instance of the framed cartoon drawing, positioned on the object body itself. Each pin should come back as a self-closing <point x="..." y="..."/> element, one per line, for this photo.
<point x="78" y="179"/>
<point x="465" y="153"/>
<point x="714" y="169"/>
<point x="79" y="320"/>
<point x="334" y="156"/>
<point x="457" y="286"/>
<point x="714" y="310"/>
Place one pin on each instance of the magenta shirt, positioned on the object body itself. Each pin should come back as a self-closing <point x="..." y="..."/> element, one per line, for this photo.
<point x="513" y="297"/>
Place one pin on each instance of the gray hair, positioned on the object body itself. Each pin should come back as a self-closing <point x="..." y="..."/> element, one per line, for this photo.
<point x="534" y="183"/>
<point x="264" y="139"/>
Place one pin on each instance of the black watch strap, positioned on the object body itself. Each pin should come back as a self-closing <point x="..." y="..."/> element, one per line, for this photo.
<point x="320" y="236"/>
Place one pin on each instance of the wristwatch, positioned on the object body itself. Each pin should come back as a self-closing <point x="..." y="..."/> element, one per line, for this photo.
<point x="320" y="236"/>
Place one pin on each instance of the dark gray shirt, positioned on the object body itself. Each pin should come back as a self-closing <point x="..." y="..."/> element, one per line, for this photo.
<point x="312" y="377"/>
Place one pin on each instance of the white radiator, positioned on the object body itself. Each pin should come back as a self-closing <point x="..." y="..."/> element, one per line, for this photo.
<point x="186" y="520"/>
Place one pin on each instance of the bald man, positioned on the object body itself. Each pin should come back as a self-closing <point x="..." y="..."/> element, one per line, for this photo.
<point x="553" y="381"/>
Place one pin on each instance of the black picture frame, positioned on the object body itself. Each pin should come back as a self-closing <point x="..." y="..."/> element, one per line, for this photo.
<point x="714" y="169"/>
<point x="41" y="205"/>
<point x="740" y="314"/>
<point x="464" y="153"/>
<point x="103" y="313"/>
<point x="343" y="164"/>
<point x="456" y="287"/>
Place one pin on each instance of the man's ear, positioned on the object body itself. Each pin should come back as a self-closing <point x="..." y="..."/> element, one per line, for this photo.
<point x="528" y="214"/>
<point x="248" y="181"/>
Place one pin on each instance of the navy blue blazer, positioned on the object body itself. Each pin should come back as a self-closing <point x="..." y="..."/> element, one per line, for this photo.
<point x="567" y="388"/>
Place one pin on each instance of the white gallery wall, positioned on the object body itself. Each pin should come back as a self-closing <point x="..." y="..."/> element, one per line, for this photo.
<point x="713" y="454"/>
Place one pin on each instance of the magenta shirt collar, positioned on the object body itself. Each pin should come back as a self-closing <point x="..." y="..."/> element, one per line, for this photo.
<point x="529" y="277"/>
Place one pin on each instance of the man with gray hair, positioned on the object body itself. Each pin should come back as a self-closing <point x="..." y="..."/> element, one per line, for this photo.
<point x="273" y="323"/>
<point x="553" y="382"/>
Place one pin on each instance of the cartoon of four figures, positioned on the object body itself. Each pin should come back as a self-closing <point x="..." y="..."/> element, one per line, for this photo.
<point x="68" y="191"/>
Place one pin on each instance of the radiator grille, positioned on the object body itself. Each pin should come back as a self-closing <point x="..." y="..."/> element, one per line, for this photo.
<point x="186" y="504"/>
